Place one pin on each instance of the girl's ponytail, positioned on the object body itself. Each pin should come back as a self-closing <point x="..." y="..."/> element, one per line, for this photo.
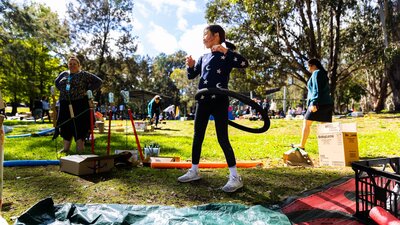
<point x="230" y="46"/>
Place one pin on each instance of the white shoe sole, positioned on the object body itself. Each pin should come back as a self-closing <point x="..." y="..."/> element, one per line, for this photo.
<point x="186" y="181"/>
<point x="231" y="191"/>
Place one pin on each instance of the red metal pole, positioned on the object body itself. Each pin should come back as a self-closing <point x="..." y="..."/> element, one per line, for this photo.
<point x="2" y="135"/>
<point x="109" y="132"/>
<point x="136" y="136"/>
<point x="92" y="128"/>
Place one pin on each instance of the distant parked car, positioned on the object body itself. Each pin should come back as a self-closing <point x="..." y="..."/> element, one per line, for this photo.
<point x="356" y="114"/>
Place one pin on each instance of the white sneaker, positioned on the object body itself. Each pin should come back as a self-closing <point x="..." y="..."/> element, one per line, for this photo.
<point x="233" y="184"/>
<point x="190" y="175"/>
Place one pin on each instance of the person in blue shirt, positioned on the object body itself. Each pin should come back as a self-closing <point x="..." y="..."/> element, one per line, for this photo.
<point x="46" y="108"/>
<point x="154" y="109"/>
<point x="319" y="101"/>
<point x="214" y="69"/>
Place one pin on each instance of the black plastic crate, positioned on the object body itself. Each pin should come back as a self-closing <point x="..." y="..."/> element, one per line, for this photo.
<point x="376" y="184"/>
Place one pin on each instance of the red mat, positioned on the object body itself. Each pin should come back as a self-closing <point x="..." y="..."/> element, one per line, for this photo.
<point x="330" y="204"/>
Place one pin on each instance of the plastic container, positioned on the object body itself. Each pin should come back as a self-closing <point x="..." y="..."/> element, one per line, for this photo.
<point x="377" y="182"/>
<point x="151" y="152"/>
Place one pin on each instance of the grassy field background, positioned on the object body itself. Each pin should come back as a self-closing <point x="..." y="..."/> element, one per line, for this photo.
<point x="378" y="136"/>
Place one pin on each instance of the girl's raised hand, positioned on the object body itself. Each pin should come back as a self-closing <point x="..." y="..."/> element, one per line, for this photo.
<point x="190" y="61"/>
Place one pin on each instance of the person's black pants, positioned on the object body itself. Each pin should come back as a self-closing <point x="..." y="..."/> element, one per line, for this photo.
<point x="79" y="126"/>
<point x="218" y="108"/>
<point x="46" y="112"/>
<point x="156" y="117"/>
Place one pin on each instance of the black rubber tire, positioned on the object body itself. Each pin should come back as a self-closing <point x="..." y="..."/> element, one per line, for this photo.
<point x="243" y="99"/>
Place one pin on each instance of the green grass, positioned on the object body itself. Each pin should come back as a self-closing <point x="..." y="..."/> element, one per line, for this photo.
<point x="378" y="136"/>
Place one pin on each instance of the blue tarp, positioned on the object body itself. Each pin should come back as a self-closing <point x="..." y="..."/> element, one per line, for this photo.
<point x="45" y="212"/>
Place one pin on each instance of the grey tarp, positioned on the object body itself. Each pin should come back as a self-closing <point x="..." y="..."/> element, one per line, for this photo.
<point x="45" y="212"/>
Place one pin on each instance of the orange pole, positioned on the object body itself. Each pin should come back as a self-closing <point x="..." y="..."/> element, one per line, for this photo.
<point x="171" y="165"/>
<point x="136" y="136"/>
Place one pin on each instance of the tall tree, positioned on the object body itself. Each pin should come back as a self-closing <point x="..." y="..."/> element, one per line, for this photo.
<point x="162" y="67"/>
<point x="103" y="30"/>
<point x="278" y="37"/>
<point x="390" y="20"/>
<point x="365" y="33"/>
<point x="29" y="35"/>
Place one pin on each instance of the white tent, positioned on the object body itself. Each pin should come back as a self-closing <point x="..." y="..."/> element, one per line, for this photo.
<point x="170" y="109"/>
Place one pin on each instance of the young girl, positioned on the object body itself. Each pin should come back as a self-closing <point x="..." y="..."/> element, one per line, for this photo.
<point x="214" y="69"/>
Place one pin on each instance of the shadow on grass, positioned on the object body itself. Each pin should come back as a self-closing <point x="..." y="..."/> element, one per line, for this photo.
<point x="394" y="116"/>
<point x="167" y="129"/>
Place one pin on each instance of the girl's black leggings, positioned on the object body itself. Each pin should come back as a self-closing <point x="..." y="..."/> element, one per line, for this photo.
<point x="218" y="108"/>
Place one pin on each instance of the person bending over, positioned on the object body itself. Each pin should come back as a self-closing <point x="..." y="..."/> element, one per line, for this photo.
<point x="154" y="109"/>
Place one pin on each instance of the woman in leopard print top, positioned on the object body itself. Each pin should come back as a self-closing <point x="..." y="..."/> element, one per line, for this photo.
<point x="73" y="86"/>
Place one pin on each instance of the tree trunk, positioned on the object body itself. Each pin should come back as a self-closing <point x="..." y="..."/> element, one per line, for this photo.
<point x="334" y="51"/>
<point x="333" y="85"/>
<point x="394" y="81"/>
<point x="14" y="106"/>
<point x="379" y="105"/>
<point x="389" y="28"/>
<point x="382" y="94"/>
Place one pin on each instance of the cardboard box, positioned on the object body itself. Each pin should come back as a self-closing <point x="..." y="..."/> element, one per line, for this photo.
<point x="86" y="164"/>
<point x="141" y="125"/>
<point x="150" y="128"/>
<point x="100" y="126"/>
<point x="337" y="144"/>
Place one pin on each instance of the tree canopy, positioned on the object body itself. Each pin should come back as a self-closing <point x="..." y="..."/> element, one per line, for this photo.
<point x="29" y="37"/>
